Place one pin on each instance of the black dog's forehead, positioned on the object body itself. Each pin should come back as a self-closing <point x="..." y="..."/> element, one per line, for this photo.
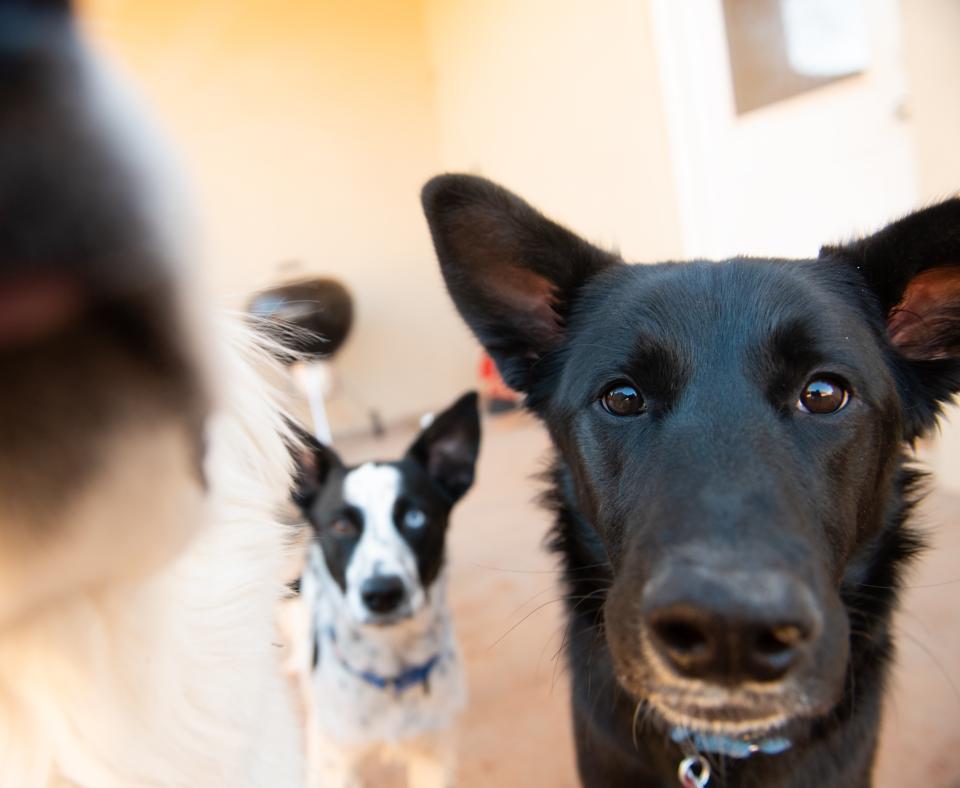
<point x="675" y="319"/>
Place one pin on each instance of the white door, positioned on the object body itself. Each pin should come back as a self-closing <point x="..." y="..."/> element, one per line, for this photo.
<point x="783" y="179"/>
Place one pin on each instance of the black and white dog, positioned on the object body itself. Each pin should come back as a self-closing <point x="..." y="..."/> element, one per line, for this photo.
<point x="386" y="669"/>
<point x="731" y="481"/>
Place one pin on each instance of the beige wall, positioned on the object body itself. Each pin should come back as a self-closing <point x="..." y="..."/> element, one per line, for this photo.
<point x="782" y="180"/>
<point x="931" y="30"/>
<point x="560" y="101"/>
<point x="931" y="36"/>
<point x="307" y="129"/>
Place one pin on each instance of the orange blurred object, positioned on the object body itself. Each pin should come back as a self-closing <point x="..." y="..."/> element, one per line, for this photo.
<point x="499" y="395"/>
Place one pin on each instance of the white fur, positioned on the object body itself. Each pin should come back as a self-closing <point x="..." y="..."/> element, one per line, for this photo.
<point x="137" y="638"/>
<point x="165" y="674"/>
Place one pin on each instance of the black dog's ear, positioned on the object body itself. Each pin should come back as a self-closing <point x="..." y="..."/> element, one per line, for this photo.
<point x="913" y="269"/>
<point x="448" y="448"/>
<point x="511" y="272"/>
<point x="313" y="463"/>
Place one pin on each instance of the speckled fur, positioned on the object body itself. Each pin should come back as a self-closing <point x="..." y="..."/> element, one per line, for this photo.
<point x="353" y="720"/>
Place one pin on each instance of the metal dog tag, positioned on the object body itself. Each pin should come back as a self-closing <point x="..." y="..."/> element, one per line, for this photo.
<point x="694" y="772"/>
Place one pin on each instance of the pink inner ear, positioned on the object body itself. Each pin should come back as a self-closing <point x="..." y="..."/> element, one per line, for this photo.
<point x="916" y="323"/>
<point x="524" y="298"/>
<point x="534" y="296"/>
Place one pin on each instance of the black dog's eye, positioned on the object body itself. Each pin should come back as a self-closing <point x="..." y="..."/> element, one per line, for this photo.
<point x="823" y="395"/>
<point x="622" y="399"/>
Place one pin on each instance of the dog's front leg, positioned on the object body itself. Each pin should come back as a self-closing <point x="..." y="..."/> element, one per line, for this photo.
<point x="432" y="762"/>
<point x="333" y="766"/>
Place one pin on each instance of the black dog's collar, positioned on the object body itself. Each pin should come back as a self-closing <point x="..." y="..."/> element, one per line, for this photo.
<point x="694" y="769"/>
<point x="411" y="677"/>
<point x="729" y="746"/>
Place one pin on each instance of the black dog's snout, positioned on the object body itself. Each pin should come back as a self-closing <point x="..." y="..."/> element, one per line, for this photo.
<point x="382" y="594"/>
<point x="729" y="629"/>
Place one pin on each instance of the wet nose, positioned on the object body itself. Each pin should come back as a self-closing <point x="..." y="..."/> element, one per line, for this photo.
<point x="382" y="594"/>
<point x="730" y="628"/>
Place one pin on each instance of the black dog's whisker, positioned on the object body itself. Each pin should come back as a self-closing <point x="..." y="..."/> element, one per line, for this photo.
<point x="955" y="690"/>
<point x="510" y="570"/>
<point x="539" y="607"/>
<point x="525" y="617"/>
<point x="909" y="587"/>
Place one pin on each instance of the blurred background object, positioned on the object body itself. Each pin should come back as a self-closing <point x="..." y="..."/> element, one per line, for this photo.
<point x="498" y="396"/>
<point x="665" y="129"/>
<point x="312" y="318"/>
<point x="779" y="48"/>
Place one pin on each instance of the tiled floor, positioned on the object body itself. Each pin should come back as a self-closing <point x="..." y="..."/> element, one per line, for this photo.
<point x="516" y="730"/>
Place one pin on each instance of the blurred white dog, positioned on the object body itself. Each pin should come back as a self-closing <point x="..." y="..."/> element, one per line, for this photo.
<point x="140" y="469"/>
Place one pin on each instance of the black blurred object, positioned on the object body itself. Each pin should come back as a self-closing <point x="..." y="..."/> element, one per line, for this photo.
<point x="312" y="317"/>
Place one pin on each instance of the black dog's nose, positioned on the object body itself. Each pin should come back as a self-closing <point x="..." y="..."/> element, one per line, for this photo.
<point x="382" y="594"/>
<point x="729" y="629"/>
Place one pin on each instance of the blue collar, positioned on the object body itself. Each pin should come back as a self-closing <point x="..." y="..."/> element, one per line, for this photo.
<point x="411" y="677"/>
<point x="729" y="746"/>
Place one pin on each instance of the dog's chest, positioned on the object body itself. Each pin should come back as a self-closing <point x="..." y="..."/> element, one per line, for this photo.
<point x="389" y="688"/>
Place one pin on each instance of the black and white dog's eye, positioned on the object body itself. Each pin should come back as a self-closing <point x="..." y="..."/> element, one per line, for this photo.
<point x="414" y="519"/>
<point x="823" y="395"/>
<point x="622" y="399"/>
<point x="343" y="527"/>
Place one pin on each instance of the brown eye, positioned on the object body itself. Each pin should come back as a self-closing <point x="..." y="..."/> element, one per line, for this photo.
<point x="823" y="395"/>
<point x="343" y="527"/>
<point x="622" y="399"/>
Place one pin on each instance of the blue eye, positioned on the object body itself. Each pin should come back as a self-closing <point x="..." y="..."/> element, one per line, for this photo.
<point x="622" y="399"/>
<point x="414" y="519"/>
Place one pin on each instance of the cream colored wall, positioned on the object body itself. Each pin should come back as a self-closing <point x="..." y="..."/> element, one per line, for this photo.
<point x="560" y="101"/>
<point x="307" y="130"/>
<point x="931" y="31"/>
<point x="781" y="180"/>
<point x="931" y="35"/>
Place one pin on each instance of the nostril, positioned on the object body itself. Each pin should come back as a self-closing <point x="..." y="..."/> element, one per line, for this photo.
<point x="684" y="640"/>
<point x="776" y="640"/>
<point x="774" y="650"/>
<point x="681" y="637"/>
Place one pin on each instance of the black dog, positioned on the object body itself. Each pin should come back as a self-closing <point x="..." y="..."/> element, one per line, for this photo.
<point x="730" y="483"/>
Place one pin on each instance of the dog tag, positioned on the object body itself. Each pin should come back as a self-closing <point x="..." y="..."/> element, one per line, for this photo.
<point x="694" y="772"/>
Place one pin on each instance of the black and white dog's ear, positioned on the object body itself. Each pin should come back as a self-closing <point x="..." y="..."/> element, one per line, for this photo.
<point x="912" y="268"/>
<point x="511" y="272"/>
<point x="313" y="464"/>
<point x="447" y="449"/>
